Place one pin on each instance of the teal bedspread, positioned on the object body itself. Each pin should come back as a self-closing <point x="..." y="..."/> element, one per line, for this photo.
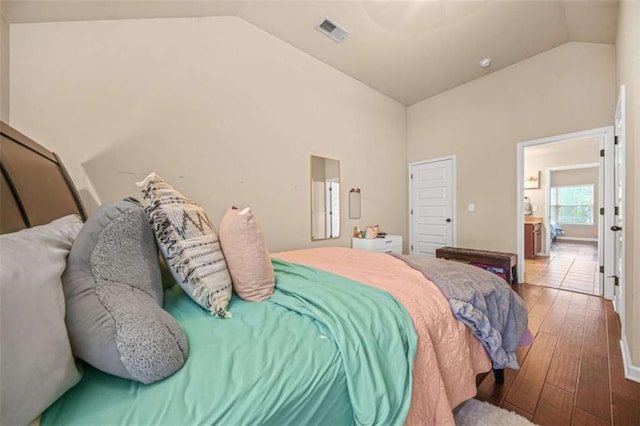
<point x="323" y="350"/>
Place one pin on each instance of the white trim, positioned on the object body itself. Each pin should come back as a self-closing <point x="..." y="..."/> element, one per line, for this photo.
<point x="600" y="131"/>
<point x="575" y="166"/>
<point x="620" y="120"/>
<point x="631" y="372"/>
<point x="545" y="220"/>
<point x="601" y="222"/>
<point x="519" y="209"/>
<point x="454" y="234"/>
<point x="577" y="239"/>
<point x="608" y="239"/>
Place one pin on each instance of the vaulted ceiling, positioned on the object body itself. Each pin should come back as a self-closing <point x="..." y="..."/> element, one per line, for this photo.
<point x="408" y="50"/>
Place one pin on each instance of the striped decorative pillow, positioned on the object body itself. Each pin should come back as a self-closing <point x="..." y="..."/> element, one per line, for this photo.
<point x="189" y="244"/>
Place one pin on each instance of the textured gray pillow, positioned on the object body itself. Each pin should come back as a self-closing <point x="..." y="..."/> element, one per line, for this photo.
<point x="113" y="290"/>
<point x="37" y="365"/>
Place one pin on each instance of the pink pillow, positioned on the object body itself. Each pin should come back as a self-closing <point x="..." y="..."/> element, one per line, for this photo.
<point x="246" y="254"/>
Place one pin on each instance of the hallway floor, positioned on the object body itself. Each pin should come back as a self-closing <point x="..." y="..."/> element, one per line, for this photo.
<point x="572" y="266"/>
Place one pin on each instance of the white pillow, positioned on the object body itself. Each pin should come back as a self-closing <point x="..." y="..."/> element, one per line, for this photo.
<point x="189" y="244"/>
<point x="37" y="364"/>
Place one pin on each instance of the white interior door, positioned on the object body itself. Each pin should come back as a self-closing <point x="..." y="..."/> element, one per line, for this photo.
<point x="432" y="205"/>
<point x="609" y="216"/>
<point x="602" y="230"/>
<point x="617" y="229"/>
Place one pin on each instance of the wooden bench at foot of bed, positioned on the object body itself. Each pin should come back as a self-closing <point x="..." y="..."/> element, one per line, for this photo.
<point x="508" y="261"/>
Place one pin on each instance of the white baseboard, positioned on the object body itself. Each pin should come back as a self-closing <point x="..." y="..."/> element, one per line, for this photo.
<point x="577" y="239"/>
<point x="631" y="372"/>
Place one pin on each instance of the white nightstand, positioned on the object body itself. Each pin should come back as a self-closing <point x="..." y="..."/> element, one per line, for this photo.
<point x="388" y="244"/>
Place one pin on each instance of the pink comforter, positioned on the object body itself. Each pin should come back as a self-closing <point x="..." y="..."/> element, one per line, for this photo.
<point x="448" y="358"/>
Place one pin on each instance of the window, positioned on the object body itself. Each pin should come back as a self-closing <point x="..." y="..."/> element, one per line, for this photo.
<point x="572" y="205"/>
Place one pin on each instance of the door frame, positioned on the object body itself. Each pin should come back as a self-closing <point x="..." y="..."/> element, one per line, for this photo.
<point x="603" y="132"/>
<point x="620" y="132"/>
<point x="453" y="195"/>
<point x="631" y="372"/>
<point x="547" y="185"/>
<point x="600" y="201"/>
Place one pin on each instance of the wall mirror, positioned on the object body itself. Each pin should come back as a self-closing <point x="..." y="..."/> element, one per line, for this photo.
<point x="325" y="198"/>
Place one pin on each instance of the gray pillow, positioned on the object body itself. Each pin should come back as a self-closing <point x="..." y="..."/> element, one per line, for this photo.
<point x="37" y="364"/>
<point x="113" y="290"/>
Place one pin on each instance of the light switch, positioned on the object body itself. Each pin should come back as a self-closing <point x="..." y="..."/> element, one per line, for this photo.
<point x="534" y="208"/>
<point x="471" y="207"/>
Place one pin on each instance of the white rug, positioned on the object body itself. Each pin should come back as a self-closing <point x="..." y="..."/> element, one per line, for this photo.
<point x="478" y="413"/>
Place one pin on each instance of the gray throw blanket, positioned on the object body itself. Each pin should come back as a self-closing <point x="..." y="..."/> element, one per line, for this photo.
<point x="483" y="301"/>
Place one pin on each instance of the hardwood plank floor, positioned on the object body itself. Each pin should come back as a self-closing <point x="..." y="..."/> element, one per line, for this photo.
<point x="556" y="406"/>
<point x="572" y="374"/>
<point x="525" y="389"/>
<point x="570" y="266"/>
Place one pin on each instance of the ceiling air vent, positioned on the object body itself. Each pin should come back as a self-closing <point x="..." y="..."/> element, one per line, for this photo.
<point x="333" y="30"/>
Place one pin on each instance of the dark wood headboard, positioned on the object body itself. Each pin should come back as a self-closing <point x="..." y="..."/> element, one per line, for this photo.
<point x="36" y="187"/>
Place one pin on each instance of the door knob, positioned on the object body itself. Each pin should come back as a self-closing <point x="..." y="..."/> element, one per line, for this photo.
<point x="448" y="220"/>
<point x="616" y="228"/>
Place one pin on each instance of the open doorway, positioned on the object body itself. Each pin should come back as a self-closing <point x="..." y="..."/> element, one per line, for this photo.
<point x="564" y="211"/>
<point x="560" y="232"/>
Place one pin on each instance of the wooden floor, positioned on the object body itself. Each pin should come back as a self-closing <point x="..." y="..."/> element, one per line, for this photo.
<point x="573" y="372"/>
<point x="570" y="266"/>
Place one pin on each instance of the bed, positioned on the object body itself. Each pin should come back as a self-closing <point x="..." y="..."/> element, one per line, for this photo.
<point x="348" y="337"/>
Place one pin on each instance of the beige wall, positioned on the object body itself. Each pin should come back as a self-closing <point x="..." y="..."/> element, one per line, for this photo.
<point x="225" y="111"/>
<point x="579" y="177"/>
<point x="628" y="73"/>
<point x="4" y="69"/>
<point x="231" y="115"/>
<point x="567" y="89"/>
<point x="538" y="158"/>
